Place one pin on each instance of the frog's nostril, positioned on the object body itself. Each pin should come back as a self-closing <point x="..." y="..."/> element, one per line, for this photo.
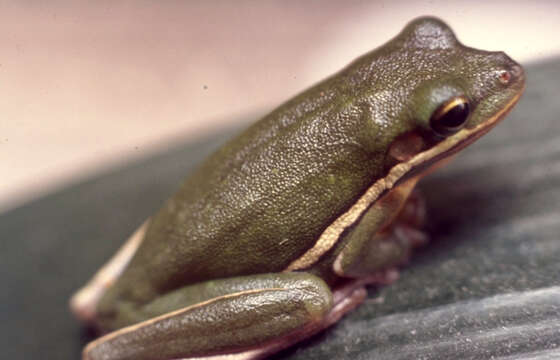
<point x="505" y="77"/>
<point x="513" y="74"/>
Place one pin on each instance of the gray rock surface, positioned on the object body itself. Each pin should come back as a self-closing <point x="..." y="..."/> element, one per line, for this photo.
<point x="486" y="287"/>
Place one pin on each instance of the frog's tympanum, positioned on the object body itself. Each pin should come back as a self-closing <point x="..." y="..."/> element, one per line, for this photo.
<point x="274" y="236"/>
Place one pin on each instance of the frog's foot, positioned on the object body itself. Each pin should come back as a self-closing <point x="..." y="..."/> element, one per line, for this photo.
<point x="84" y="302"/>
<point x="385" y="277"/>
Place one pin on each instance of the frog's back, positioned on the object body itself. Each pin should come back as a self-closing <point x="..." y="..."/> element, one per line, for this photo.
<point x="263" y="198"/>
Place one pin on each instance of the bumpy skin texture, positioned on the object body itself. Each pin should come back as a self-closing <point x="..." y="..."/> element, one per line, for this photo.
<point x="264" y="198"/>
<point x="286" y="302"/>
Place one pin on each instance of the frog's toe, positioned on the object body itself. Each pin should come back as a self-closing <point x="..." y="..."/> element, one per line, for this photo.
<point x="410" y="237"/>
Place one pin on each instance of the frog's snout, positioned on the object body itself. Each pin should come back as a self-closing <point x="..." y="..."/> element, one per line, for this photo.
<point x="513" y="73"/>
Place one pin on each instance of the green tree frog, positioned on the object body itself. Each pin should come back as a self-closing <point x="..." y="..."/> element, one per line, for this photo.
<point x="275" y="235"/>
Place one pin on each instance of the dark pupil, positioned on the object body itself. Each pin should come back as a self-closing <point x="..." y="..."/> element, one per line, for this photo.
<point x="452" y="120"/>
<point x="456" y="116"/>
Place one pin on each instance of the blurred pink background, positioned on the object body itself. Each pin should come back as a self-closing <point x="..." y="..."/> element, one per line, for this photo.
<point x="86" y="86"/>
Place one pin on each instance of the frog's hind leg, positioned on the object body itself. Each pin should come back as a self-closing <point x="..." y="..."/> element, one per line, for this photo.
<point x="84" y="302"/>
<point x="238" y="318"/>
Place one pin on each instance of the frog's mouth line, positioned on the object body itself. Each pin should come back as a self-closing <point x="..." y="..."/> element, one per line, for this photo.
<point x="399" y="173"/>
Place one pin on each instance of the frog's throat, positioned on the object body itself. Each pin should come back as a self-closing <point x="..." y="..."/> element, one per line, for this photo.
<point x="398" y="173"/>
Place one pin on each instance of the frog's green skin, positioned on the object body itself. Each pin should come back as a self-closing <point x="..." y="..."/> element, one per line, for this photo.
<point x="273" y="237"/>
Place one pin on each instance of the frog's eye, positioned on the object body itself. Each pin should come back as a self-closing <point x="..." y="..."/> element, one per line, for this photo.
<point x="450" y="116"/>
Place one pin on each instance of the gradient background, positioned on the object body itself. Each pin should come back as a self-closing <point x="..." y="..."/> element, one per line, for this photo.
<point x="87" y="86"/>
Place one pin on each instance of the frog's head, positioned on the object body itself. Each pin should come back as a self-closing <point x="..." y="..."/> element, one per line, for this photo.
<point x="446" y="94"/>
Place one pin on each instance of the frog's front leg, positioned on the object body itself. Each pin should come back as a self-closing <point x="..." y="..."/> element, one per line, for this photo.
<point x="247" y="316"/>
<point x="385" y="236"/>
